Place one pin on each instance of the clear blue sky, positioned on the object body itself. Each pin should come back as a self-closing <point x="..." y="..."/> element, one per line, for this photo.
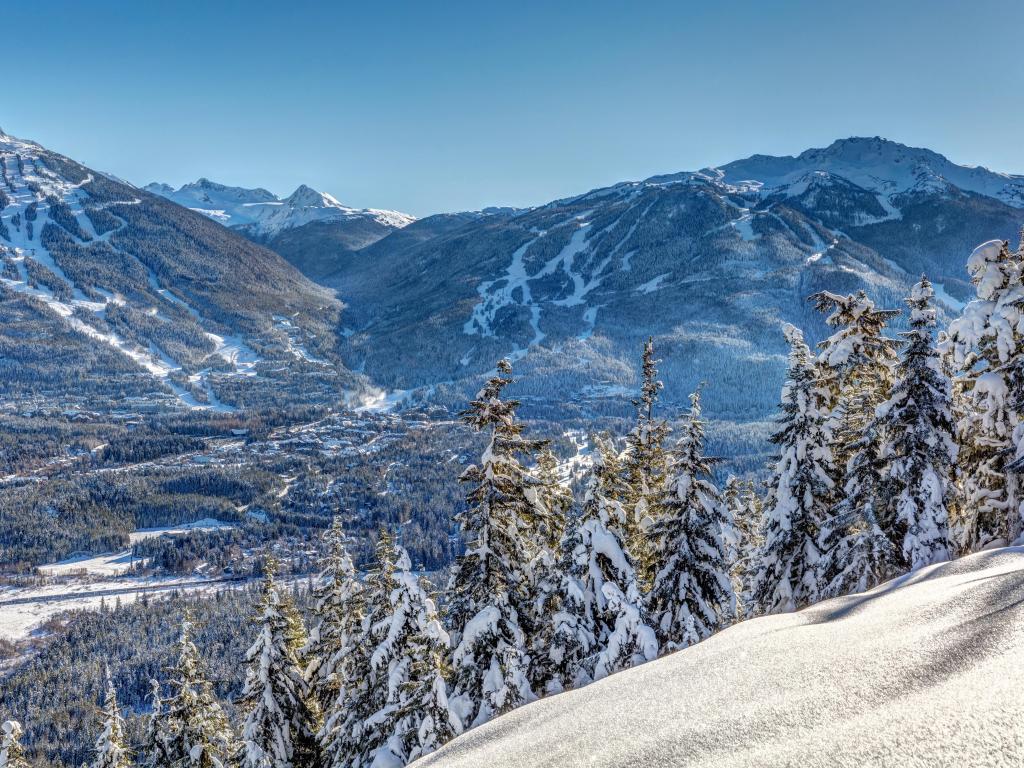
<point x="428" y="107"/>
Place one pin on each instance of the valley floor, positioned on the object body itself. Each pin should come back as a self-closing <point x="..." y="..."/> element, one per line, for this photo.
<point x="924" y="670"/>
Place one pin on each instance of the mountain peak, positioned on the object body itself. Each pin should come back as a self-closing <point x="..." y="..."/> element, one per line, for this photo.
<point x="881" y="166"/>
<point x="305" y="196"/>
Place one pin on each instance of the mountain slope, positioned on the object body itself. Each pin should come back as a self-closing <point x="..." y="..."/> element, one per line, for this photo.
<point x="921" y="671"/>
<point x="310" y="229"/>
<point x="711" y="263"/>
<point x="194" y="314"/>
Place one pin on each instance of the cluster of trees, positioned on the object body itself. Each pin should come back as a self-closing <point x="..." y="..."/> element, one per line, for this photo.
<point x="894" y="453"/>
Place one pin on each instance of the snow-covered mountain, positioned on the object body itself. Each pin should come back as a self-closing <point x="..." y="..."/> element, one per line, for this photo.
<point x="109" y="292"/>
<point x="712" y="263"/>
<point x="261" y="213"/>
<point x="921" y="671"/>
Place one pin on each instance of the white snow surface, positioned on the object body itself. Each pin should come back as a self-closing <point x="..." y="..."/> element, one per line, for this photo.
<point x="884" y="167"/>
<point x="263" y="212"/>
<point x="921" y="671"/>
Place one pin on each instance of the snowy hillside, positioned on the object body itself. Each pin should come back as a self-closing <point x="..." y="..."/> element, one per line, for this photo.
<point x="111" y="292"/>
<point x="712" y="263"/>
<point x="921" y="671"/>
<point x="259" y="212"/>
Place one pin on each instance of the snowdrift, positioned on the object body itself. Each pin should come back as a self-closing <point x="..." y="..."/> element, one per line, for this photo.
<point x="925" y="670"/>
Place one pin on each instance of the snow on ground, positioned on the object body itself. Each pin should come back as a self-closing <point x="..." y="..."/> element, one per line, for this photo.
<point x="24" y="175"/>
<point x="24" y="609"/>
<point x="116" y="563"/>
<point x="922" y="671"/>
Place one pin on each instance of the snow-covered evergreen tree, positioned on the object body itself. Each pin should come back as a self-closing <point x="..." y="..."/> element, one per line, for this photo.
<point x="195" y="730"/>
<point x="279" y="728"/>
<point x="985" y="346"/>
<point x="692" y="595"/>
<point x="920" y="451"/>
<point x="644" y="464"/>
<point x="338" y="608"/>
<point x="744" y="540"/>
<point x="856" y="553"/>
<point x="111" y="746"/>
<point x="855" y="365"/>
<point x="12" y="755"/>
<point x="155" y="752"/>
<point x="410" y="661"/>
<point x="799" y="493"/>
<point x="352" y="731"/>
<point x="552" y="503"/>
<point x="594" y="556"/>
<point x="489" y="588"/>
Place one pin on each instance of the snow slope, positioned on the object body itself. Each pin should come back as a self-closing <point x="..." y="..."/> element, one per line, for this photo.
<point x="260" y="212"/>
<point x="921" y="671"/>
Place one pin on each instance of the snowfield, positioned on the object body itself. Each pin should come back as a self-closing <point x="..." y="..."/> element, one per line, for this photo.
<point x="924" y="670"/>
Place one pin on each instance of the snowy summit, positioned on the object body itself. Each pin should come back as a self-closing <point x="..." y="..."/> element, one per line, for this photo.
<point x="260" y="212"/>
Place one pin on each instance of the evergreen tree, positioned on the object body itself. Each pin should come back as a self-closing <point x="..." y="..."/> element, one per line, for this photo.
<point x="409" y="662"/>
<point x="427" y="720"/>
<point x="800" y="490"/>
<point x="744" y="541"/>
<point x="692" y="596"/>
<point x="279" y="728"/>
<point x="645" y="464"/>
<point x="338" y="608"/>
<point x="855" y="368"/>
<point x="920" y="453"/>
<point x="489" y="589"/>
<point x="111" y="748"/>
<point x="856" y="553"/>
<point x="12" y="755"/>
<point x="195" y="731"/>
<point x="985" y="346"/>
<point x="594" y="556"/>
<point x="155" y="752"/>
<point x="352" y="732"/>
<point x="553" y="503"/>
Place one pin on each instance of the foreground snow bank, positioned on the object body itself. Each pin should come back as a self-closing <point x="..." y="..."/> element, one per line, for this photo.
<point x="925" y="670"/>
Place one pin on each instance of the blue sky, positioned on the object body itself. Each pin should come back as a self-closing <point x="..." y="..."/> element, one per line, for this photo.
<point x="428" y="107"/>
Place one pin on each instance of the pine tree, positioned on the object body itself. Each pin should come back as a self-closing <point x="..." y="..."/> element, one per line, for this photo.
<point x="985" y="346"/>
<point x="352" y="732"/>
<point x="416" y="718"/>
<point x="279" y="728"/>
<point x="489" y="589"/>
<point x="12" y="755"/>
<point x="744" y="541"/>
<point x="195" y="731"/>
<point x="857" y="358"/>
<point x="692" y="596"/>
<point x="921" y="452"/>
<point x="645" y="464"/>
<point x="553" y="503"/>
<point x="155" y="752"/>
<point x="800" y="490"/>
<point x="111" y="748"/>
<point x="428" y="721"/>
<point x="594" y="556"/>
<point x="338" y="608"/>
<point x="856" y="553"/>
